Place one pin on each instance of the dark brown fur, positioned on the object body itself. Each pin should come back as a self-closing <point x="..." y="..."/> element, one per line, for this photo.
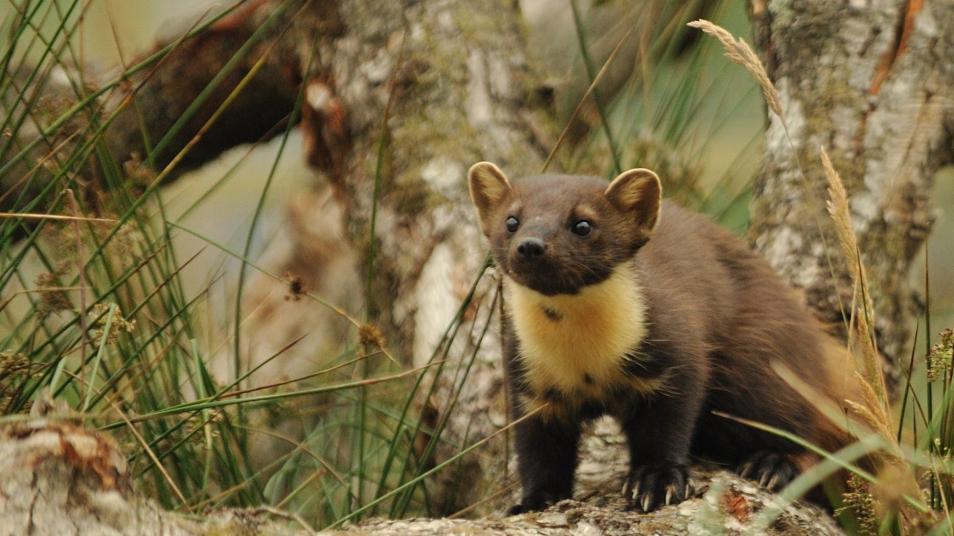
<point x="718" y="317"/>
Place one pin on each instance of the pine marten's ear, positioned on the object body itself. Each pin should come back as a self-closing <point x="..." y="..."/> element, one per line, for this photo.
<point x="639" y="193"/>
<point x="488" y="187"/>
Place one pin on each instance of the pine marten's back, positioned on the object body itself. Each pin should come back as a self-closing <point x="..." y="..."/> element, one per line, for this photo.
<point x="751" y="321"/>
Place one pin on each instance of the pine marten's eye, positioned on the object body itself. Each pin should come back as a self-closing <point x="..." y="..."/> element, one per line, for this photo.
<point x="512" y="224"/>
<point x="582" y="228"/>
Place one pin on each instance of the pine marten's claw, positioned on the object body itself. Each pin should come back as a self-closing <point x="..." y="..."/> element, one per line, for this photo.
<point x="744" y="470"/>
<point x="771" y="470"/>
<point x="652" y="486"/>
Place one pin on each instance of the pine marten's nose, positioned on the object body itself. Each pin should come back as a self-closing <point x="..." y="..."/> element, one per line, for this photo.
<point x="531" y="248"/>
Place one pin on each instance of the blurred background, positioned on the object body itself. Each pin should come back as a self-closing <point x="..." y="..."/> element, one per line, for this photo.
<point x="716" y="134"/>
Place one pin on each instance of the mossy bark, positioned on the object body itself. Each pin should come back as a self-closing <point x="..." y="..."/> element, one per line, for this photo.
<point x="427" y="89"/>
<point x="872" y="83"/>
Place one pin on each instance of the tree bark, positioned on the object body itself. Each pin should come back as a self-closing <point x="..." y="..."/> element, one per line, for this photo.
<point x="158" y="90"/>
<point x="872" y="83"/>
<point x="57" y="477"/>
<point x="424" y="89"/>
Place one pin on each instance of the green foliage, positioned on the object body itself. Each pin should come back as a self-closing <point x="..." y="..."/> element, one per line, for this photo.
<point x="679" y="110"/>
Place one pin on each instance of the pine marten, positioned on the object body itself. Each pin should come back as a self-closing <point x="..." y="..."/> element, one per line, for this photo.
<point x="620" y="303"/>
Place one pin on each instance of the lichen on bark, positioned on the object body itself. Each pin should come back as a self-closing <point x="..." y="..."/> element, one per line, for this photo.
<point x="874" y="91"/>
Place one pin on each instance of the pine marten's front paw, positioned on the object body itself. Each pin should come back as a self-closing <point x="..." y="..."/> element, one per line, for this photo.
<point x="536" y="501"/>
<point x="771" y="470"/>
<point x="652" y="486"/>
<point x="516" y="509"/>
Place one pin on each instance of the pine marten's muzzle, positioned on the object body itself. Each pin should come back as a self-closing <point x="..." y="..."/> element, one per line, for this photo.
<point x="532" y="262"/>
<point x="531" y="249"/>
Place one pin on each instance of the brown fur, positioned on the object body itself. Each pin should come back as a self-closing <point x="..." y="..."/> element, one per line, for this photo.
<point x="711" y="315"/>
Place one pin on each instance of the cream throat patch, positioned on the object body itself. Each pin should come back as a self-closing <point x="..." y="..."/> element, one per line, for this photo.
<point x="578" y="343"/>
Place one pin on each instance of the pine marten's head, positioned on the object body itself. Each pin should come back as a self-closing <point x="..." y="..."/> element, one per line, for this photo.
<point x="558" y="233"/>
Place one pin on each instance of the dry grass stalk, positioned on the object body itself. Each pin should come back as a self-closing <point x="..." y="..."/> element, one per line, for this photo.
<point x="841" y="215"/>
<point x="868" y="412"/>
<point x="875" y="409"/>
<point x="837" y="205"/>
<point x="738" y="51"/>
<point x="870" y="359"/>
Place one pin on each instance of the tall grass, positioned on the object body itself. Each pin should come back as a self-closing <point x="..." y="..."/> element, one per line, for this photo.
<point x="678" y="111"/>
<point x="95" y="312"/>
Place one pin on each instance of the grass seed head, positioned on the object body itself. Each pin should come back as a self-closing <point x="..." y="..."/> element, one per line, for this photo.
<point x="738" y="51"/>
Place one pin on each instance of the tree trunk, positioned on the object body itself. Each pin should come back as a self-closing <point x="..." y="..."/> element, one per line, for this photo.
<point x="872" y="83"/>
<point x="425" y="89"/>
<point x="151" y="94"/>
